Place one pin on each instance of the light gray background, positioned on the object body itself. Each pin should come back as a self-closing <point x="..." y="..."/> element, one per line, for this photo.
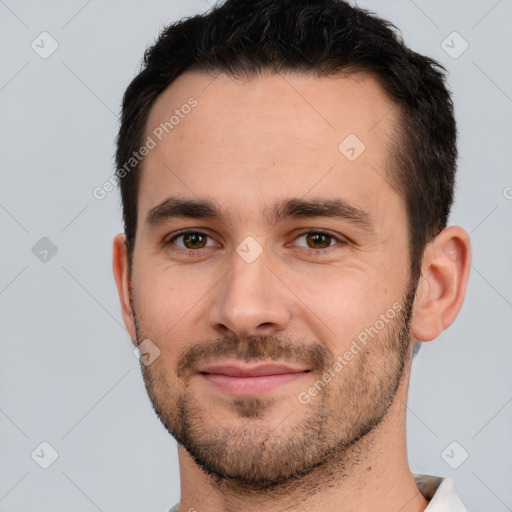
<point x="67" y="371"/>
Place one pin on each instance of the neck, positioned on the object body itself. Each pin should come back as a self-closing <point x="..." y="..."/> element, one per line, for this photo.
<point x="372" y="475"/>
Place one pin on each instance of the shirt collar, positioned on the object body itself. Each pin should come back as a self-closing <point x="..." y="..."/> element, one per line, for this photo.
<point x="440" y="493"/>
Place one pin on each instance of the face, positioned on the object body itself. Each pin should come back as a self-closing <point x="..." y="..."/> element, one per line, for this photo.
<point x="271" y="270"/>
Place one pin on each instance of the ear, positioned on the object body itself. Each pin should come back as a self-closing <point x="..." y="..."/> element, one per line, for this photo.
<point x="122" y="277"/>
<point x="442" y="285"/>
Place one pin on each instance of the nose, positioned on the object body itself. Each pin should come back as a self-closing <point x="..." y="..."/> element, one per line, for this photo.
<point x="250" y="300"/>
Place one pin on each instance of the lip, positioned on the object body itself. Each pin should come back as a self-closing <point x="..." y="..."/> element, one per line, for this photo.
<point x="246" y="381"/>
<point x="233" y="370"/>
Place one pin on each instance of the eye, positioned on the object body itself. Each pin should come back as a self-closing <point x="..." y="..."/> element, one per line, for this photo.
<point x="192" y="240"/>
<point x="319" y="241"/>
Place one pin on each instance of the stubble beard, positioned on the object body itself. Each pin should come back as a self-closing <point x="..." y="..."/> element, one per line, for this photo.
<point x="298" y="445"/>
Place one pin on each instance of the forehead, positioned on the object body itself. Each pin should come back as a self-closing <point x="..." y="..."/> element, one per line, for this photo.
<point x="250" y="139"/>
<point x="342" y="103"/>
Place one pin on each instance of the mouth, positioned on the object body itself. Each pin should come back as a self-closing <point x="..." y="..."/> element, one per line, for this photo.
<point x="247" y="381"/>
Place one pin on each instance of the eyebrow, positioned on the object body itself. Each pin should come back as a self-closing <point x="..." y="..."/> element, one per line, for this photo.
<point x="292" y="208"/>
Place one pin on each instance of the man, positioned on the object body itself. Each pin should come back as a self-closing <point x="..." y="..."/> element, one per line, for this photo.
<point x="286" y="171"/>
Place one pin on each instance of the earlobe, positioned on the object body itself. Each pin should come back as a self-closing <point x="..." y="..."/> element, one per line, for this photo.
<point x="442" y="286"/>
<point x="122" y="278"/>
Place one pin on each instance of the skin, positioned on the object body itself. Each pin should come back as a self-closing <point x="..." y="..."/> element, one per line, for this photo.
<point x="247" y="144"/>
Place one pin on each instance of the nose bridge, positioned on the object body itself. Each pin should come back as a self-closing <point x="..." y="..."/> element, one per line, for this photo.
<point x="251" y="298"/>
<point x="249" y="279"/>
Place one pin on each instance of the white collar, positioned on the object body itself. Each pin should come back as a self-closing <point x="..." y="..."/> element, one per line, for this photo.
<point x="440" y="492"/>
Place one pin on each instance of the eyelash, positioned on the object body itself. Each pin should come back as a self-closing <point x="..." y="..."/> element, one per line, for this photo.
<point x="306" y="250"/>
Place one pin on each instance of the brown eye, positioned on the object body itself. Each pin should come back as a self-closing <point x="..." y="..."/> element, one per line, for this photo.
<point x="318" y="240"/>
<point x="191" y="240"/>
<point x="194" y="239"/>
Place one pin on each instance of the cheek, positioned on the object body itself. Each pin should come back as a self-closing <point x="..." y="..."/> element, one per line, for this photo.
<point x="338" y="306"/>
<point x="165" y="301"/>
